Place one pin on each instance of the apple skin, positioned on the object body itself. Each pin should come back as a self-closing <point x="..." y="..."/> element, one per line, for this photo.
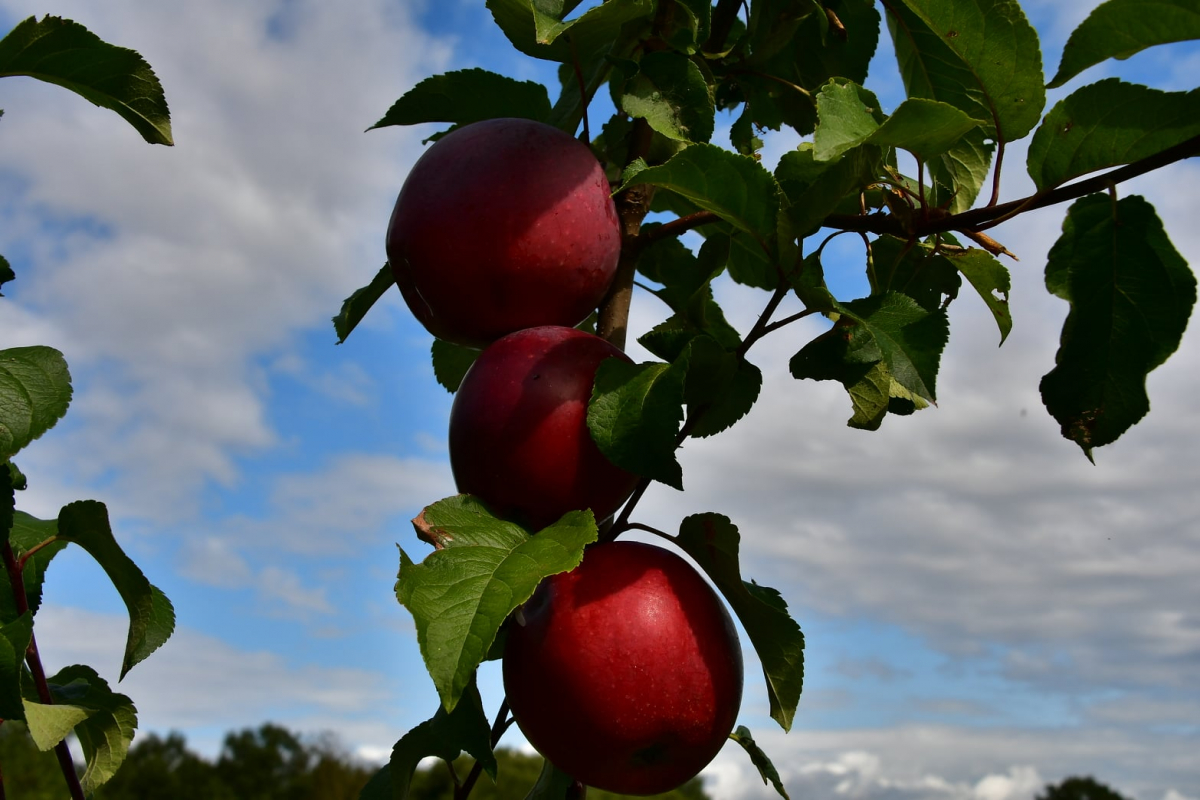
<point x="501" y="225"/>
<point x="625" y="673"/>
<point x="518" y="428"/>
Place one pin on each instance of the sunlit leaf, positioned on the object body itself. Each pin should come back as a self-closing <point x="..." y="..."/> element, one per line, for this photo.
<point x="1121" y="28"/>
<point x="486" y="567"/>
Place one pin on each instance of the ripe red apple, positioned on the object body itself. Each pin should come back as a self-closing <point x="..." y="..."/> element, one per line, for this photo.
<point x="518" y="428"/>
<point x="502" y="225"/>
<point x="625" y="673"/>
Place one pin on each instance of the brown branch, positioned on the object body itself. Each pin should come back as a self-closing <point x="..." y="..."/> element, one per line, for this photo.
<point x="679" y="226"/>
<point x="980" y="219"/>
<point x="65" y="762"/>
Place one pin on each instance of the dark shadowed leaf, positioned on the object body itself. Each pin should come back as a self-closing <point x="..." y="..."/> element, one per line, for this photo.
<point x="356" y="306"/>
<point x="151" y="617"/>
<point x="486" y="567"/>
<point x="14" y="640"/>
<point x="815" y="188"/>
<point x="65" y="53"/>
<point x="451" y="362"/>
<point x="712" y="541"/>
<point x="1120" y="28"/>
<point x="959" y="173"/>
<point x="760" y="760"/>
<point x="468" y="95"/>
<point x="1131" y="294"/>
<point x="537" y="34"/>
<point x="6" y="273"/>
<point x="1106" y="124"/>
<point x="990" y="279"/>
<point x="35" y="390"/>
<point x="444" y="736"/>
<point x="634" y="417"/>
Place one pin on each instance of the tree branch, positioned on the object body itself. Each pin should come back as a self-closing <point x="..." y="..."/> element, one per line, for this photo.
<point x="65" y="762"/>
<point x="979" y="219"/>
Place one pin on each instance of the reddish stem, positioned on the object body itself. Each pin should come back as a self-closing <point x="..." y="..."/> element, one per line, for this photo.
<point x="65" y="762"/>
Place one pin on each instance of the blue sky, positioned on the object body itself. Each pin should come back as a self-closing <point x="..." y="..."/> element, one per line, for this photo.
<point x="985" y="611"/>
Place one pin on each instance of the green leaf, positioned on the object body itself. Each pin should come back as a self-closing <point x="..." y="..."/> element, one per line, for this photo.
<point x="990" y="279"/>
<point x="25" y="534"/>
<point x="909" y="338"/>
<point x="760" y="760"/>
<point x="151" y="617"/>
<point x="634" y="417"/>
<point x="981" y="56"/>
<point x="1131" y="294"/>
<point x="734" y="187"/>
<point x="451" y="362"/>
<point x="689" y="25"/>
<point x="672" y="95"/>
<point x="815" y="188"/>
<point x="65" y="53"/>
<point x="6" y="273"/>
<point x="884" y="350"/>
<point x="916" y="271"/>
<point x="959" y="173"/>
<point x="713" y="541"/>
<point x="468" y="95"/>
<point x="1106" y="124"/>
<point x="1120" y="28"/>
<point x="356" y="306"/>
<point x="14" y="641"/>
<point x="106" y="733"/>
<point x="847" y="116"/>
<point x="445" y="736"/>
<point x="50" y="724"/>
<point x="486" y="567"/>
<point x="535" y="34"/>
<point x="925" y="128"/>
<point x="35" y="390"/>
<point x="734" y="401"/>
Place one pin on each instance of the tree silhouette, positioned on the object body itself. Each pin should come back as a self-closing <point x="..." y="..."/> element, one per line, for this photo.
<point x="1085" y="788"/>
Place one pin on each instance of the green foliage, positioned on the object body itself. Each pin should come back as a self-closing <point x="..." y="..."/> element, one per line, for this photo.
<point x="107" y="731"/>
<point x="1131" y="294"/>
<point x="974" y="84"/>
<point x="467" y="96"/>
<point x="1121" y="28"/>
<point x="29" y="773"/>
<point x="1085" y="788"/>
<point x="765" y="768"/>
<point x="713" y="542"/>
<point x="151" y="616"/>
<point x="483" y="569"/>
<point x="65" y="53"/>
<point x="35" y="390"/>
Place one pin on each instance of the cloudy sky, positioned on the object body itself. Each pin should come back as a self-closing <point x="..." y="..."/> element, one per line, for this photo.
<point x="985" y="611"/>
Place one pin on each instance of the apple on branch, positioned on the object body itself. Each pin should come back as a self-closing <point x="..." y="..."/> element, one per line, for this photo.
<point x="519" y="439"/>
<point x="502" y="225"/>
<point x="626" y="672"/>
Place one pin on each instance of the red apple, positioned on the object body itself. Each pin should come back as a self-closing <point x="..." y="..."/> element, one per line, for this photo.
<point x="502" y="225"/>
<point x="625" y="673"/>
<point x="518" y="428"/>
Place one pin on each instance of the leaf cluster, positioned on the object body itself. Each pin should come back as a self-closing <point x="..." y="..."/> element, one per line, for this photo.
<point x="920" y="184"/>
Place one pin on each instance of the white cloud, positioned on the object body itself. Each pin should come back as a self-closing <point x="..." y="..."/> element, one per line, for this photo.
<point x="199" y="681"/>
<point x="197" y="261"/>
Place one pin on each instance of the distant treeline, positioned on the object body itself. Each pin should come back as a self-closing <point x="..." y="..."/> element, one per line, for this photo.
<point x="270" y="763"/>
